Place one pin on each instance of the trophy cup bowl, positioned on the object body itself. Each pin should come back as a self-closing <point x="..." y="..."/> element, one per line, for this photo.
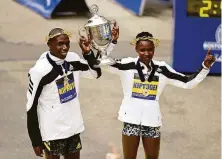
<point x="98" y="30"/>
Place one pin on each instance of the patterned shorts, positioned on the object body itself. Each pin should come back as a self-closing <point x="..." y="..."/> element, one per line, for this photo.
<point x="63" y="146"/>
<point x="140" y="130"/>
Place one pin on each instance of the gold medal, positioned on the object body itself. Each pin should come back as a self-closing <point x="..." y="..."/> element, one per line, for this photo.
<point x="66" y="81"/>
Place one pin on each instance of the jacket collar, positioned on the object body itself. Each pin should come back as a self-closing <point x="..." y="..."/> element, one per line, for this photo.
<point x="141" y="66"/>
<point x="56" y="66"/>
<point x="144" y="67"/>
<point x="57" y="60"/>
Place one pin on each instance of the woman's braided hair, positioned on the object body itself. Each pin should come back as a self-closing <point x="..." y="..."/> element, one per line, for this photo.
<point x="145" y="36"/>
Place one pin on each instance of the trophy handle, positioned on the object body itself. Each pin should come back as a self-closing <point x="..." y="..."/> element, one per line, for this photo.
<point x="81" y="30"/>
<point x="112" y="22"/>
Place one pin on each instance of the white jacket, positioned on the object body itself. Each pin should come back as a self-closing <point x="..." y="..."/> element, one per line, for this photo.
<point x="53" y="109"/>
<point x="140" y="104"/>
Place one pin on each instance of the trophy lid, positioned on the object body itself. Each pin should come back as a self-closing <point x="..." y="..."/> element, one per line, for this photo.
<point x="95" y="19"/>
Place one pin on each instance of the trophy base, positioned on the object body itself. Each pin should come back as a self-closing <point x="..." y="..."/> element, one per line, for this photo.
<point x="104" y="61"/>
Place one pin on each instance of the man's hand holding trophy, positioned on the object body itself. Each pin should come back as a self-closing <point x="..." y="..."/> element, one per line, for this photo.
<point x="99" y="36"/>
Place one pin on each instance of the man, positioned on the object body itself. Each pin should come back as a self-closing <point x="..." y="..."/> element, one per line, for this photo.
<point x="54" y="119"/>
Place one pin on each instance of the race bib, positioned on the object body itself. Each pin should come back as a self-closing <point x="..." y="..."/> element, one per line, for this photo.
<point x="66" y="88"/>
<point x="145" y="90"/>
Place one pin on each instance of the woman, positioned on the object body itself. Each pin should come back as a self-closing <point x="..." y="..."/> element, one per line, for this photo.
<point x="143" y="80"/>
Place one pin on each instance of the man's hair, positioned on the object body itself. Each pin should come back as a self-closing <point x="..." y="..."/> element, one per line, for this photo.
<point x="55" y="32"/>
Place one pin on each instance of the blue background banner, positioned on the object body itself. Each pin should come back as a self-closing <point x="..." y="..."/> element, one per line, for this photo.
<point x="133" y="5"/>
<point x="192" y="38"/>
<point x="137" y="6"/>
<point x="42" y="7"/>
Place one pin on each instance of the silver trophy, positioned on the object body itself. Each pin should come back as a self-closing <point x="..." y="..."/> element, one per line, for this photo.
<point x="98" y="29"/>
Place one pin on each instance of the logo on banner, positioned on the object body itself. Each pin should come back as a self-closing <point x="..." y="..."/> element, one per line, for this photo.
<point x="216" y="46"/>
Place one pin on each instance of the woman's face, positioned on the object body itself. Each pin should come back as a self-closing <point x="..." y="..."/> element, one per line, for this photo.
<point x="145" y="50"/>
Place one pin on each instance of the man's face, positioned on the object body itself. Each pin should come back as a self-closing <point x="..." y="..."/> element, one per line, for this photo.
<point x="145" y="50"/>
<point x="59" y="46"/>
